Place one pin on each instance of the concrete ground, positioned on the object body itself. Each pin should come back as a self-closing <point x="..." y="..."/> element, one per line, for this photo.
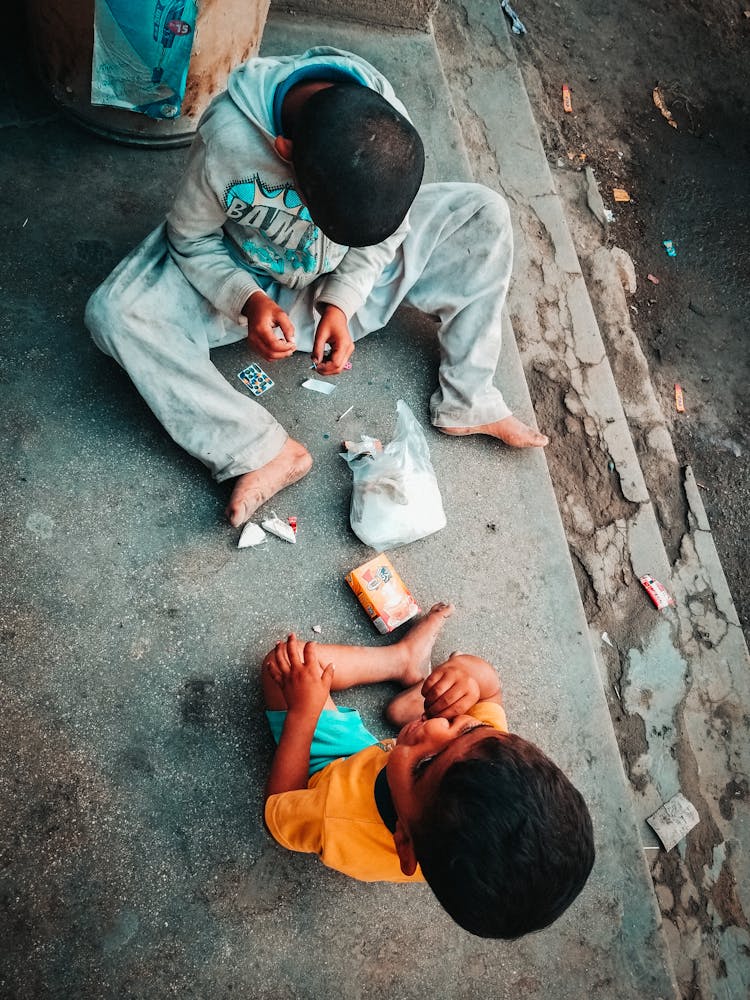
<point x="134" y="860"/>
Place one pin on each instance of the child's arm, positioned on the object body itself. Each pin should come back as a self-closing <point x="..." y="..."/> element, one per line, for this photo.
<point x="305" y="685"/>
<point x="456" y="686"/>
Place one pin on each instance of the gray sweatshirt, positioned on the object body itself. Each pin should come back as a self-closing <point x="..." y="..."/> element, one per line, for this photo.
<point x="237" y="224"/>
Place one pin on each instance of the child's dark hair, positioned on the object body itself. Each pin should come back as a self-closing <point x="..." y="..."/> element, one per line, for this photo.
<point x="358" y="162"/>
<point x="506" y="843"/>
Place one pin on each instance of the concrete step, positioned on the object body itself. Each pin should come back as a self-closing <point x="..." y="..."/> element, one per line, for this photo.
<point x="678" y="682"/>
<point x="138" y="863"/>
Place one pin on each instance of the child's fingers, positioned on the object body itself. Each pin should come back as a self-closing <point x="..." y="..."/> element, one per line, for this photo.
<point x="281" y="658"/>
<point x="293" y="651"/>
<point x="327" y="675"/>
<point x="437" y="690"/>
<point x="281" y="319"/>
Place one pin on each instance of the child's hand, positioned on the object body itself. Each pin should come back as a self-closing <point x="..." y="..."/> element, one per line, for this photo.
<point x="297" y="670"/>
<point x="264" y="319"/>
<point x="333" y="329"/>
<point x="449" y="692"/>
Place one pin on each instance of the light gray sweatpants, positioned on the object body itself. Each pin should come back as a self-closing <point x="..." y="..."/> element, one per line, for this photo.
<point x="455" y="263"/>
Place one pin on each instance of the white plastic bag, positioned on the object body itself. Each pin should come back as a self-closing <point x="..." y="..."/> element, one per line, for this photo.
<point x="395" y="498"/>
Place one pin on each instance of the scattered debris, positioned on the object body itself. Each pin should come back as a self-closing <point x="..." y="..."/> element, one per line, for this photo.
<point x="317" y="386"/>
<point x="381" y="592"/>
<point x="659" y="102"/>
<point x="567" y="103"/>
<point x="492" y="526"/>
<point x="653" y="279"/>
<point x="679" y="398"/>
<point x="292" y="521"/>
<point x="594" y="200"/>
<point x="620" y="194"/>
<point x="345" y="413"/>
<point x="516" y="24"/>
<point x="670" y="248"/>
<point x="606" y="638"/>
<point x="674" y="820"/>
<point x="255" y="379"/>
<point x="616" y="689"/>
<point x="655" y="590"/>
<point x="316" y="629"/>
<point x="252" y="534"/>
<point x="280" y="528"/>
<point x="581" y="157"/>
<point x="24" y="222"/>
<point x="625" y="269"/>
<point x="702" y="485"/>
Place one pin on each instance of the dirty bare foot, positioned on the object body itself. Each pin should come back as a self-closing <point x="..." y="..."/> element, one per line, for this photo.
<point x="509" y="430"/>
<point x="253" y="488"/>
<point x="416" y="646"/>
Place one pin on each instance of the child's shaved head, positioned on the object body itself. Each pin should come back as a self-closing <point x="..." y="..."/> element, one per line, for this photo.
<point x="359" y="164"/>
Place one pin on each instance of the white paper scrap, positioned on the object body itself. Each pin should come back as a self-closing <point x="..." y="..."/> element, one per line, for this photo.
<point x="280" y="528"/>
<point x="674" y="820"/>
<point x="252" y="534"/>
<point x="606" y="638"/>
<point x="317" y="386"/>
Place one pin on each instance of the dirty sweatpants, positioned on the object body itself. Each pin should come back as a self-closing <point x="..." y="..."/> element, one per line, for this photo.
<point x="455" y="263"/>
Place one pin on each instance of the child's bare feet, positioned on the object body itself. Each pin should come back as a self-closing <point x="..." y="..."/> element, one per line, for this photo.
<point x="416" y="646"/>
<point x="510" y="430"/>
<point x="254" y="488"/>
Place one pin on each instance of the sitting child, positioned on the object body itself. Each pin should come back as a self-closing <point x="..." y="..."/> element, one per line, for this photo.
<point x="500" y="834"/>
<point x="301" y="224"/>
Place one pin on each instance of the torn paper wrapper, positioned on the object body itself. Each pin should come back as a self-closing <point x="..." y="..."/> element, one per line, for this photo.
<point x="674" y="820"/>
<point x="317" y="386"/>
<point x="282" y="529"/>
<point x="252" y="534"/>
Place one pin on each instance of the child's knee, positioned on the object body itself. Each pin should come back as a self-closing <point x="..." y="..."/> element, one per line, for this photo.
<point x="102" y="319"/>
<point x="493" y="208"/>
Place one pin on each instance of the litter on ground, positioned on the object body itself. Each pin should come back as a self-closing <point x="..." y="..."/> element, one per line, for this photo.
<point x="275" y="526"/>
<point x="252" y="534"/>
<point x="670" y="248"/>
<point x="674" y="820"/>
<point x="326" y="388"/>
<point x="341" y="417"/>
<point x="566" y="99"/>
<point x="516" y="24"/>
<point x="659" y="102"/>
<point x="620" y="194"/>
<point x="679" y="398"/>
<point x="653" y="279"/>
<point x="655" y="590"/>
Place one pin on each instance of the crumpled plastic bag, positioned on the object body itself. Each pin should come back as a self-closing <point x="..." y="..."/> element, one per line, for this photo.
<point x="395" y="498"/>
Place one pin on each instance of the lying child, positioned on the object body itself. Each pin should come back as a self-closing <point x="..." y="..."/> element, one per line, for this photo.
<point x="500" y="834"/>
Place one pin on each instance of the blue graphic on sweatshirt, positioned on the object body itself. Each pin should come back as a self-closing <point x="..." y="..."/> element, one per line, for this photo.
<point x="284" y="235"/>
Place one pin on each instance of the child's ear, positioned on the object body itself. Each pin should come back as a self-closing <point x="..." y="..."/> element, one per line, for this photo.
<point x="404" y="849"/>
<point x="283" y="147"/>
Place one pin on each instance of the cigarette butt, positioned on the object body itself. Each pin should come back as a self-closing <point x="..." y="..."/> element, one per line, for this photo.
<point x="567" y="103"/>
<point x="679" y="398"/>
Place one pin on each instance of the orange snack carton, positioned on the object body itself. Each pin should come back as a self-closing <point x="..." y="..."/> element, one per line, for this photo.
<point x="381" y="592"/>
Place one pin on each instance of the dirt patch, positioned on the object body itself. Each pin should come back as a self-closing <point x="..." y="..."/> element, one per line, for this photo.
<point x="687" y="185"/>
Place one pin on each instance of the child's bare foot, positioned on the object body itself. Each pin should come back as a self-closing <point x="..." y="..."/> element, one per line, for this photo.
<point x="253" y="488"/>
<point x="509" y="429"/>
<point x="416" y="646"/>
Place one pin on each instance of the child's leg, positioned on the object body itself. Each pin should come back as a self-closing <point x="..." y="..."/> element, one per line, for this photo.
<point x="149" y="318"/>
<point x="456" y="263"/>
<point x="407" y="661"/>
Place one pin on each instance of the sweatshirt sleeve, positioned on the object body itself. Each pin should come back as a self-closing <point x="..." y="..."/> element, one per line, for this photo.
<point x="196" y="240"/>
<point x="349" y="284"/>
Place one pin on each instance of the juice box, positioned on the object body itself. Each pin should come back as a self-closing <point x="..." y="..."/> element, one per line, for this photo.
<point x="381" y="592"/>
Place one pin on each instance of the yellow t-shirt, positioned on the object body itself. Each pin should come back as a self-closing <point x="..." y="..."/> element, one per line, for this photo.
<point x="336" y="816"/>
